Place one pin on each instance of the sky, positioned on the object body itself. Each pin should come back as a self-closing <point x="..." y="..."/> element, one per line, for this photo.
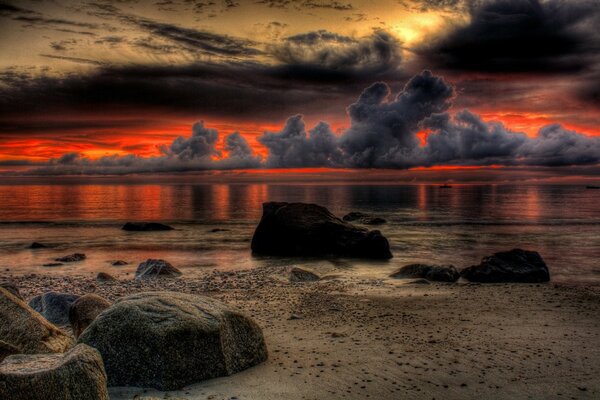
<point x="121" y="87"/>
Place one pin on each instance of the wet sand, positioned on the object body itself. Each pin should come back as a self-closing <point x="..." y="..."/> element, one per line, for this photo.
<point x="356" y="338"/>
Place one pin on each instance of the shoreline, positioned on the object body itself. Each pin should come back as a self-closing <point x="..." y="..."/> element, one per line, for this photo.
<point x="355" y="337"/>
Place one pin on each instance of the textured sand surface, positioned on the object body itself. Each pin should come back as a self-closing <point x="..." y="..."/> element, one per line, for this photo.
<point x="356" y="338"/>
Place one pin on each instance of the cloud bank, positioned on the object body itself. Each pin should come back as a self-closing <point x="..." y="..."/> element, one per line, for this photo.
<point x="384" y="133"/>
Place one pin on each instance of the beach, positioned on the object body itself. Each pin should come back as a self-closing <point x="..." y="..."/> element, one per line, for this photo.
<point x="354" y="337"/>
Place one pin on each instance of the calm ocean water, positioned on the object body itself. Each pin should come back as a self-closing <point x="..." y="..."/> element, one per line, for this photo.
<point x="426" y="224"/>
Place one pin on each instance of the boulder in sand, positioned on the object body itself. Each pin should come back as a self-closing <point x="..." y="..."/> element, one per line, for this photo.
<point x="152" y="268"/>
<point x="27" y="330"/>
<point x="54" y="306"/>
<point x="299" y="229"/>
<point x="85" y="310"/>
<point x="11" y="287"/>
<point x="146" y="226"/>
<point x="441" y="273"/>
<point x="168" y="340"/>
<point x="105" y="277"/>
<point x="77" y="374"/>
<point x="516" y="265"/>
<point x="362" y="218"/>
<point x="71" y="258"/>
<point x="303" y="275"/>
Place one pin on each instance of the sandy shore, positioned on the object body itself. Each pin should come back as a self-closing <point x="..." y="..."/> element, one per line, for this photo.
<point x="355" y="338"/>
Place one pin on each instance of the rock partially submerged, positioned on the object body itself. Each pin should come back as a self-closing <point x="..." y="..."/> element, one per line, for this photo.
<point x="167" y="340"/>
<point x="71" y="258"/>
<point x="362" y="218"/>
<point x="299" y="229"/>
<point x="54" y="306"/>
<point x="516" y="265"/>
<point x="85" y="310"/>
<point x="77" y="374"/>
<point x="37" y="245"/>
<point x="153" y="268"/>
<point x="27" y="330"/>
<point x="146" y="226"/>
<point x="440" y="273"/>
<point x="303" y="275"/>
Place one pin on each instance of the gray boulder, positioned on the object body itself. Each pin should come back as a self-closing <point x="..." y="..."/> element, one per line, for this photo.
<point x="168" y="340"/>
<point x="71" y="258"/>
<point x="441" y="273"/>
<point x="152" y="268"/>
<point x="516" y="265"/>
<point x="146" y="226"/>
<point x="299" y="229"/>
<point x="26" y="330"/>
<point x="85" y="310"/>
<point x="75" y="375"/>
<point x="303" y="275"/>
<point x="54" y="306"/>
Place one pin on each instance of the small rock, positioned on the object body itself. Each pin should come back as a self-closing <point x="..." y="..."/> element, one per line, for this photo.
<point x="118" y="263"/>
<point x="54" y="306"/>
<point x="215" y="230"/>
<point x="152" y="268"/>
<point x="24" y="328"/>
<point x="105" y="277"/>
<point x="37" y="245"/>
<point x="294" y="316"/>
<point x="146" y="226"/>
<point x="85" y="310"/>
<point x="56" y="264"/>
<point x="303" y="275"/>
<point x="77" y="374"/>
<point x="71" y="258"/>
<point x="442" y="273"/>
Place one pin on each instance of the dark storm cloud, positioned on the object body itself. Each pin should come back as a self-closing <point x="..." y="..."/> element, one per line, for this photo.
<point x="521" y="36"/>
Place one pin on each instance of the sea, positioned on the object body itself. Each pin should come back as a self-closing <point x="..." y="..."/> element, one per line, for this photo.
<point x="214" y="223"/>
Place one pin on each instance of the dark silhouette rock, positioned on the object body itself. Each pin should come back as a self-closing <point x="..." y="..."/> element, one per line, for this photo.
<point x="71" y="258"/>
<point x="105" y="277"/>
<point x="54" y="306"/>
<point x="26" y="330"/>
<point x="440" y="273"/>
<point x="215" y="230"/>
<point x="77" y="374"/>
<point x="146" y="226"/>
<point x="11" y="287"/>
<point x="510" y="266"/>
<point x="37" y="245"/>
<point x="168" y="340"/>
<point x="299" y="229"/>
<point x="303" y="275"/>
<point x="85" y="310"/>
<point x="362" y="218"/>
<point x="152" y="268"/>
<point x="118" y="263"/>
<point x="54" y="264"/>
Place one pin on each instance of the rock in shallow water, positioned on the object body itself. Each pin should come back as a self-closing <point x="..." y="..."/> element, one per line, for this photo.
<point x="146" y="226"/>
<point x="167" y="340"/>
<point x="37" y="245"/>
<point x="77" y="374"/>
<point x="27" y="330"/>
<point x="299" y="229"/>
<point x="152" y="268"/>
<point x="71" y="258"/>
<point x="85" y="310"/>
<point x="54" y="306"/>
<point x="440" y="273"/>
<point x="516" y="265"/>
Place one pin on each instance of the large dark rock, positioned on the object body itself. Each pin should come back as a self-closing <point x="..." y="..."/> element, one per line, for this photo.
<point x="71" y="258"/>
<point x="77" y="374"/>
<point x="510" y="266"/>
<point x="299" y="229"/>
<point x="303" y="275"/>
<point x="362" y="218"/>
<point x="54" y="306"/>
<point x="168" y="340"/>
<point x="152" y="268"/>
<point x="441" y="273"/>
<point x="85" y="310"/>
<point x="146" y="226"/>
<point x="26" y="330"/>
